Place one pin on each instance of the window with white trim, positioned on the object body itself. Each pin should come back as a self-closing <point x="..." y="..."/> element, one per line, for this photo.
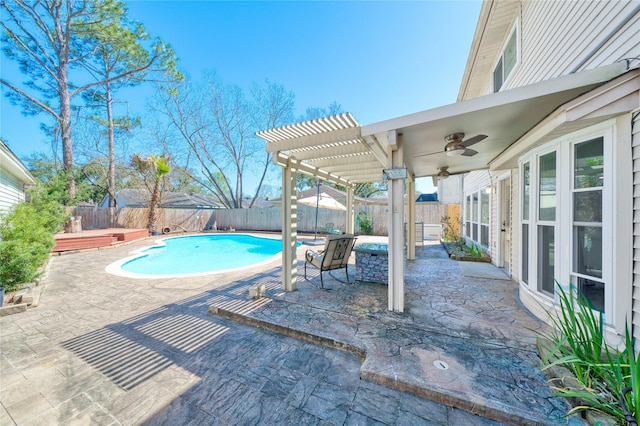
<point x="477" y="217"/>
<point x="467" y="215"/>
<point x="546" y="222"/>
<point x="587" y="191"/>
<point x="567" y="219"/>
<point x="524" y="220"/>
<point x="484" y="218"/>
<point x="507" y="61"/>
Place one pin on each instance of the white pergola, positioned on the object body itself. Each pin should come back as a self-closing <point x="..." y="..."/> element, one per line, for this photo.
<point x="339" y="150"/>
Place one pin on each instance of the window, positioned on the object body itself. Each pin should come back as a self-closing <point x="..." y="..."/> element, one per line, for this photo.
<point x="507" y="61"/>
<point x="526" y="190"/>
<point x="474" y="216"/>
<point x="467" y="216"/>
<point x="477" y="210"/>
<point x="484" y="218"/>
<point x="546" y="222"/>
<point x="571" y="227"/>
<point x="587" y="191"/>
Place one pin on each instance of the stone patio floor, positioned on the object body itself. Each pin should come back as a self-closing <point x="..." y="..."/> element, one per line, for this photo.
<point x="102" y="349"/>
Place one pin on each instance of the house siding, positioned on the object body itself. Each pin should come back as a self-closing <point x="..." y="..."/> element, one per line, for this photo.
<point x="450" y="190"/>
<point x="635" y="140"/>
<point x="550" y="32"/>
<point x="11" y="192"/>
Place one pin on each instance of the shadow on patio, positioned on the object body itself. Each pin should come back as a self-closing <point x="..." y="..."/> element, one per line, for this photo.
<point x="464" y="339"/>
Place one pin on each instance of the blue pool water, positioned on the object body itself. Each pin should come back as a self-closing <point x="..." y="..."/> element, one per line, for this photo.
<point x="199" y="254"/>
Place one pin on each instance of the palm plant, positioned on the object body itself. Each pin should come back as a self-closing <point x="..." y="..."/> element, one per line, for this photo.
<point x="155" y="167"/>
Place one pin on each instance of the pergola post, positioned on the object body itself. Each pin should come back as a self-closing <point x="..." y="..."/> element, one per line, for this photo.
<point x="411" y="219"/>
<point x="350" y="228"/>
<point x="396" y="228"/>
<point x="289" y="229"/>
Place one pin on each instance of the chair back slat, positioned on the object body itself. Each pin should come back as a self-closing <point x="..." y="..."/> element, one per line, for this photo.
<point x="337" y="251"/>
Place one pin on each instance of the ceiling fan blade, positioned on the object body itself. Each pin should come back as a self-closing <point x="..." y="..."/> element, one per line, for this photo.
<point x="473" y="140"/>
<point x="429" y="153"/>
<point x="469" y="152"/>
<point x="459" y="173"/>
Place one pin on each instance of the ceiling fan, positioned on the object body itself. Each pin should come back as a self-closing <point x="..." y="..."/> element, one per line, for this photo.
<point x="456" y="146"/>
<point x="443" y="173"/>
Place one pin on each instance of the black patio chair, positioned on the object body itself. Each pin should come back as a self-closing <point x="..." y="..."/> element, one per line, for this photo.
<point x="335" y="255"/>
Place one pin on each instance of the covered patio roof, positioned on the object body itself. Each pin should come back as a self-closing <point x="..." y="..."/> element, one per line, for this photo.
<point x="338" y="149"/>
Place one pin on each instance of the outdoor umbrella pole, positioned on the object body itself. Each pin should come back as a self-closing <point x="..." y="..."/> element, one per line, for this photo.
<point x="315" y="236"/>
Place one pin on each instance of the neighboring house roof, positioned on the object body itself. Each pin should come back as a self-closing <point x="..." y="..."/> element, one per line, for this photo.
<point x="427" y="197"/>
<point x="11" y="164"/>
<point x="171" y="200"/>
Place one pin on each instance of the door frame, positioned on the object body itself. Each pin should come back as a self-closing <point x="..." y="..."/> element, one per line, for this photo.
<point x="503" y="256"/>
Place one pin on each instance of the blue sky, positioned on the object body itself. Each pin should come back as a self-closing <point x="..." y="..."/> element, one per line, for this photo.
<point x="378" y="60"/>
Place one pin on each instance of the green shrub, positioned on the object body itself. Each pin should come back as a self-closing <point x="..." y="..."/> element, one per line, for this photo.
<point x="364" y="222"/>
<point x="26" y="238"/>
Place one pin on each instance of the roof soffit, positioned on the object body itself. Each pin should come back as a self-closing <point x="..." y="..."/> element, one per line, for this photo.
<point x="495" y="21"/>
<point x="619" y="96"/>
<point x="504" y="117"/>
<point x="12" y="164"/>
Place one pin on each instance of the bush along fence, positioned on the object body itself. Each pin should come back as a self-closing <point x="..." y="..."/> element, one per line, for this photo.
<point x="258" y="219"/>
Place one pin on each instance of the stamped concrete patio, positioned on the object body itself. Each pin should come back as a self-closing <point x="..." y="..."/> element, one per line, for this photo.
<point x="103" y="349"/>
<point x="464" y="339"/>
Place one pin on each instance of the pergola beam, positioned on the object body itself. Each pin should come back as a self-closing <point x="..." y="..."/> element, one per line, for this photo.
<point x="369" y="165"/>
<point x="285" y="161"/>
<point x="341" y="160"/>
<point x="320" y="139"/>
<point x="336" y="151"/>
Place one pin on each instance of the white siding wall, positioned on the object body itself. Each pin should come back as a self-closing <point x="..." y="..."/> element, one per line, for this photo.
<point x="11" y="192"/>
<point x="556" y="37"/>
<point x="450" y="190"/>
<point x="636" y="226"/>
<point x="476" y="180"/>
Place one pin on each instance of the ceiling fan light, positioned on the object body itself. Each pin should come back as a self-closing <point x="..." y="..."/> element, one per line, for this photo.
<point x="443" y="173"/>
<point x="455" y="151"/>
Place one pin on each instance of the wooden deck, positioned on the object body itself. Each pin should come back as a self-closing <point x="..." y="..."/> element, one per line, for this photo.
<point x="97" y="238"/>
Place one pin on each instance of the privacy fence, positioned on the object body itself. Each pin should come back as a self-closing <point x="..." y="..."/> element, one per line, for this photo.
<point x="265" y="219"/>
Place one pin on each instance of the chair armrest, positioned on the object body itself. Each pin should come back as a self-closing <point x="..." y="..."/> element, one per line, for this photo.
<point x="310" y="254"/>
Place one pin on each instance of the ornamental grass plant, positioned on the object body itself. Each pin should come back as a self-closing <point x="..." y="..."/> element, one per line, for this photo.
<point x="607" y="380"/>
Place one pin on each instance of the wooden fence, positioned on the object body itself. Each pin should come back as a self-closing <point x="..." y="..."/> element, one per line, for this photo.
<point x="267" y="219"/>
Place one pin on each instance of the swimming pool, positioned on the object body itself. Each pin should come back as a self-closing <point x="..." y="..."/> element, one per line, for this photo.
<point x="196" y="255"/>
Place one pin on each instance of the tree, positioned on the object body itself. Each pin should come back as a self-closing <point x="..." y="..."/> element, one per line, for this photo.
<point x="153" y="169"/>
<point x="90" y="186"/>
<point x="51" y="40"/>
<point x="120" y="52"/>
<point x="369" y="189"/>
<point x="217" y="123"/>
